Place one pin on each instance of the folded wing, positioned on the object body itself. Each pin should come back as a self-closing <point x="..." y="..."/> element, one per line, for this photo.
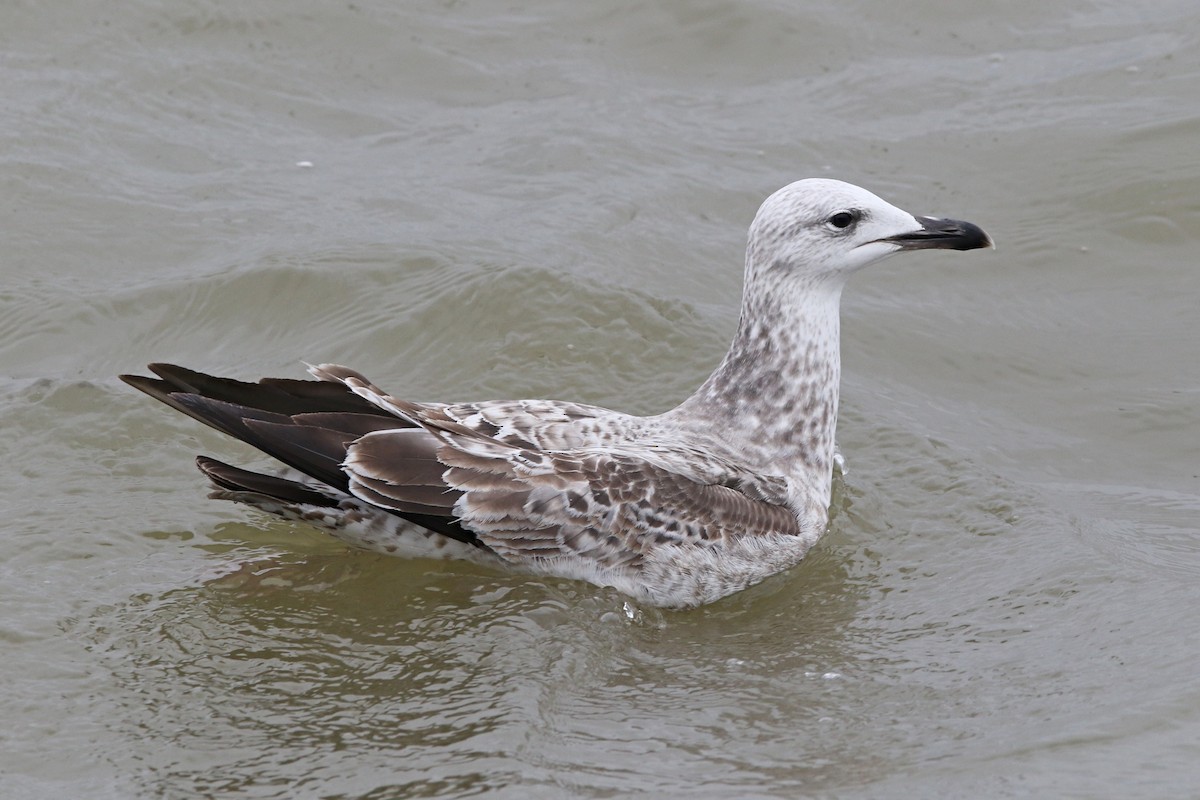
<point x="519" y="480"/>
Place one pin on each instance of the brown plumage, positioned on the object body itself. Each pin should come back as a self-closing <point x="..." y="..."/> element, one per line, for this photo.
<point x="676" y="510"/>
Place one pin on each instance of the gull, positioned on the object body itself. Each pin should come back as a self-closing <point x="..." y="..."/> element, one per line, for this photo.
<point x="674" y="510"/>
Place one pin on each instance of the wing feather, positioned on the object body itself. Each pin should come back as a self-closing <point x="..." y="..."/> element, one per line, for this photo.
<point x="607" y="507"/>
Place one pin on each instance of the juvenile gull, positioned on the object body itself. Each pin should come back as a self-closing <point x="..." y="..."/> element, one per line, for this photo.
<point x="675" y="510"/>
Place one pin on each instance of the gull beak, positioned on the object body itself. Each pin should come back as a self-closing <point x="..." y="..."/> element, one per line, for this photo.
<point x="945" y="234"/>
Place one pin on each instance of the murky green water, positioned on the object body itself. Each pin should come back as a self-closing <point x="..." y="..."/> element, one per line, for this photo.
<point x="551" y="200"/>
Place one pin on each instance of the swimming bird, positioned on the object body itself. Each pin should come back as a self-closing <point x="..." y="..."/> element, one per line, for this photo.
<point x="674" y="510"/>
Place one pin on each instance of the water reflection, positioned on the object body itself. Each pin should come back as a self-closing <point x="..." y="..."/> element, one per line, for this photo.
<point x="416" y="669"/>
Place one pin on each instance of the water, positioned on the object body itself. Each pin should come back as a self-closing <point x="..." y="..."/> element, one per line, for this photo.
<point x="551" y="200"/>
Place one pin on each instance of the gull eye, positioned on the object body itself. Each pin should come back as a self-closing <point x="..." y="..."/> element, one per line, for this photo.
<point x="843" y="219"/>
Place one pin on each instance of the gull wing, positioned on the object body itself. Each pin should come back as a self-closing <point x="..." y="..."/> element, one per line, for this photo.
<point x="610" y="506"/>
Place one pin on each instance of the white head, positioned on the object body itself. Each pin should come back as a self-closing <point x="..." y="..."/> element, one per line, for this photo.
<point x="822" y="228"/>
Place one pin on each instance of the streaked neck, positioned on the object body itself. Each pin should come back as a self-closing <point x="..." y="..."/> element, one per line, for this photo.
<point x="773" y="400"/>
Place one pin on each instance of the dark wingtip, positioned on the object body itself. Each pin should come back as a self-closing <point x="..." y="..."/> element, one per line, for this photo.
<point x="209" y="466"/>
<point x="156" y="388"/>
<point x="229" y="478"/>
<point x="171" y="378"/>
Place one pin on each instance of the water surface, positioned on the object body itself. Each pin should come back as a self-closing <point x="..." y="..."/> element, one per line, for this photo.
<point x="472" y="201"/>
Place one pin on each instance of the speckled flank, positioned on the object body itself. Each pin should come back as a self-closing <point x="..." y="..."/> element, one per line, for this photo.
<point x="362" y="526"/>
<point x="676" y="510"/>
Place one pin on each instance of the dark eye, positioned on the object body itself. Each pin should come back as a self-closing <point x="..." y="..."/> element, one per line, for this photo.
<point x="843" y="219"/>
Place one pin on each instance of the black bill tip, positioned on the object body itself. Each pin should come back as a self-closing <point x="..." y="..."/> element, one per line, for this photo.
<point x="944" y="234"/>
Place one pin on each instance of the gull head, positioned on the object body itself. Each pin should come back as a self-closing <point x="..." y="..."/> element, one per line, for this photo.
<point x="820" y="228"/>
